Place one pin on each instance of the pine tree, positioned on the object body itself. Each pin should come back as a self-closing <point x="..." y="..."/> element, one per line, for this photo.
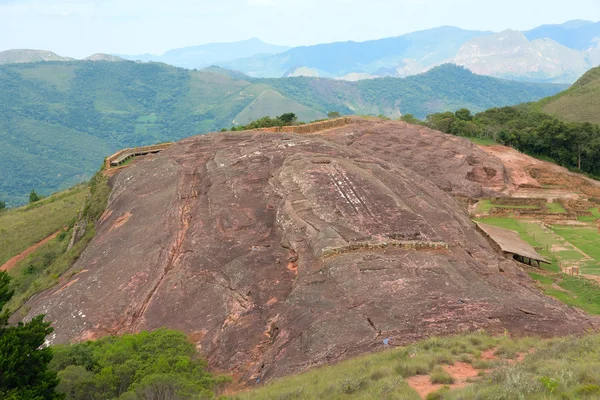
<point x="33" y="196"/>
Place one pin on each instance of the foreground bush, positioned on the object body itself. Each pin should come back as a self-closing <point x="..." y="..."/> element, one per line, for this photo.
<point x="159" y="365"/>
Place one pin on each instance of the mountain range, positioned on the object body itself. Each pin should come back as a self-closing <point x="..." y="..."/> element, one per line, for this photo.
<point x="58" y="119"/>
<point x="549" y="53"/>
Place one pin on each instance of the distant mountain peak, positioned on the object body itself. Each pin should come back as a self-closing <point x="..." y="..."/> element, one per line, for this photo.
<point x="16" y="56"/>
<point x="576" y="23"/>
<point x="104" y="57"/>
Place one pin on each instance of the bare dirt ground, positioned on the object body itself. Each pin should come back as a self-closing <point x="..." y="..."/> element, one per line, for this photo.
<point x="462" y="373"/>
<point x="19" y="257"/>
<point x="527" y="176"/>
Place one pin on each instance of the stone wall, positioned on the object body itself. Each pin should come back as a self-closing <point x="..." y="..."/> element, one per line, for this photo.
<point x="406" y="245"/>
<point x="515" y="201"/>
<point x="309" y="128"/>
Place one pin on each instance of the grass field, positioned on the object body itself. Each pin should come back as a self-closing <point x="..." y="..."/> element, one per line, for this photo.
<point x="586" y="239"/>
<point x="556" y="369"/>
<point x="579" y="292"/>
<point x="22" y="227"/>
<point x="43" y="268"/>
<point x="555" y="208"/>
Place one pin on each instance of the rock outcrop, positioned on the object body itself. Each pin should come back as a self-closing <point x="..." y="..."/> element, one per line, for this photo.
<point x="276" y="252"/>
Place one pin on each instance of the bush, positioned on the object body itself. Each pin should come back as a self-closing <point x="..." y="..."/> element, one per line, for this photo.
<point x="440" y="376"/>
<point x="589" y="390"/>
<point x="161" y="364"/>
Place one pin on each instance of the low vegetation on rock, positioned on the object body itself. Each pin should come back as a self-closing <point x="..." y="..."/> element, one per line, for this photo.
<point x="467" y="367"/>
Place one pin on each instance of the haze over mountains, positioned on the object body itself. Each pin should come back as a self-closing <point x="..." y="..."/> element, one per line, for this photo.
<point x="549" y="53"/>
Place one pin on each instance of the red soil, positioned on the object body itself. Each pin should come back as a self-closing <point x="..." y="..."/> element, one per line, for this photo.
<point x="10" y="264"/>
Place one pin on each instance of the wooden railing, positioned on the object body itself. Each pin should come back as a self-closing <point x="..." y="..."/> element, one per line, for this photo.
<point x="123" y="155"/>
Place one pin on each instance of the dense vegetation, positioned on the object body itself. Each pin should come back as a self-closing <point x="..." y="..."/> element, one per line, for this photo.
<point x="571" y="144"/>
<point x="24" y="372"/>
<point x="268" y="122"/>
<point x="158" y="365"/>
<point x="58" y="120"/>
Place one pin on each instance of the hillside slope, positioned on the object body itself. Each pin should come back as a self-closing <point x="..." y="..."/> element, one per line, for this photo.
<point x="427" y="48"/>
<point x="579" y="103"/>
<point x="277" y="252"/>
<point x="60" y="119"/>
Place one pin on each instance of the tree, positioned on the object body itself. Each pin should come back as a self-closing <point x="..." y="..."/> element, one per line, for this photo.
<point x="288" y="118"/>
<point x="24" y="372"/>
<point x="333" y="115"/>
<point x="33" y="197"/>
<point x="2" y="205"/>
<point x="464" y="114"/>
<point x="160" y="365"/>
<point x="411" y="119"/>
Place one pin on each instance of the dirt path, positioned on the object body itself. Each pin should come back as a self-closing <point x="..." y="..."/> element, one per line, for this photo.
<point x="16" y="259"/>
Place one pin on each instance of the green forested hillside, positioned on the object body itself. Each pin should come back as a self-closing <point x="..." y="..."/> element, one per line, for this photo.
<point x="580" y="103"/>
<point x="58" y="120"/>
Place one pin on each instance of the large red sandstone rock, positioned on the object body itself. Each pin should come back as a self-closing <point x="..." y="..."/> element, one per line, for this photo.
<point x="277" y="252"/>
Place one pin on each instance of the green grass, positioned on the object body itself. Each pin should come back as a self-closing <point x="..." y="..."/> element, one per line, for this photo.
<point x="562" y="368"/>
<point x="46" y="267"/>
<point x="566" y="368"/>
<point x="580" y="292"/>
<point x="555" y="208"/>
<point x="539" y="238"/>
<point x="586" y="239"/>
<point x="595" y="215"/>
<point x="541" y="278"/>
<point x="482" y="142"/>
<point x="23" y="227"/>
<point x="580" y="103"/>
<point x="383" y="375"/>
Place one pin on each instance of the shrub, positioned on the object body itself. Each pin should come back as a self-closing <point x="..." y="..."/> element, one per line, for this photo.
<point x="353" y="384"/>
<point x="440" y="376"/>
<point x="408" y="368"/>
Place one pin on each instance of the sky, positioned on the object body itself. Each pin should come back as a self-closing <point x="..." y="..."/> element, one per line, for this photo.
<point x="79" y="28"/>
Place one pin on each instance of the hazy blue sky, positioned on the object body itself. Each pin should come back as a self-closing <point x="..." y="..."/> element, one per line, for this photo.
<point x="79" y="28"/>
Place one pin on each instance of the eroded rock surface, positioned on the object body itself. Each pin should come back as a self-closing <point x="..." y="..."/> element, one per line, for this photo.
<point x="277" y="252"/>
